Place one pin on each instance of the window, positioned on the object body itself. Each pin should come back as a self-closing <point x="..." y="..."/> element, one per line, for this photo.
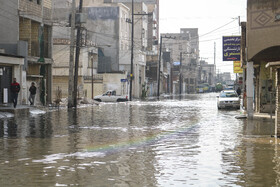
<point x="180" y="47"/>
<point x="38" y="2"/>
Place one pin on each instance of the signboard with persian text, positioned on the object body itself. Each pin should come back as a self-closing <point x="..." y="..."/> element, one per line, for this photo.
<point x="231" y="48"/>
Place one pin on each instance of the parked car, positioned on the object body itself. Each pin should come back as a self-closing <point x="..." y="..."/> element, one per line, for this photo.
<point x="111" y="96"/>
<point x="228" y="99"/>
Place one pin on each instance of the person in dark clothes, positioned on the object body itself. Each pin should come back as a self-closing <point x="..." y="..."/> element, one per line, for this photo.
<point x="238" y="91"/>
<point x="15" y="88"/>
<point x="32" y="91"/>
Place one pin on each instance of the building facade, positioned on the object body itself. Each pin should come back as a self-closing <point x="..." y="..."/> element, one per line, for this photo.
<point x="192" y="74"/>
<point x="207" y="73"/>
<point x="35" y="28"/>
<point x="26" y="32"/>
<point x="104" y="45"/>
<point x="182" y="63"/>
<point x="261" y="45"/>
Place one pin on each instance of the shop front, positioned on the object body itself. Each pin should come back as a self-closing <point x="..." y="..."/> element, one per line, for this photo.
<point x="11" y="66"/>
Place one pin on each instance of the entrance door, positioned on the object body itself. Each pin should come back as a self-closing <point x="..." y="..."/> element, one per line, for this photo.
<point x="5" y="81"/>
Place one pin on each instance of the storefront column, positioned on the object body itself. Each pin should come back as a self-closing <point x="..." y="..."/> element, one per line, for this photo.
<point x="250" y="89"/>
<point x="277" y="110"/>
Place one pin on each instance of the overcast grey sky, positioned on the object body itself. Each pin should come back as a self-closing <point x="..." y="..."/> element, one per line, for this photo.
<point x="207" y="16"/>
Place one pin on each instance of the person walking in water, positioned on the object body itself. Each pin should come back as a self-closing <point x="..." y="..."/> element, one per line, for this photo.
<point x="32" y="91"/>
<point x="15" y="88"/>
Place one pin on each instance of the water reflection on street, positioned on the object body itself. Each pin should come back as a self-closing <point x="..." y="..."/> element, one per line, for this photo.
<point x="171" y="142"/>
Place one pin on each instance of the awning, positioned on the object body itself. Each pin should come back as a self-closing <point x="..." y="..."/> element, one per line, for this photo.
<point x="269" y="64"/>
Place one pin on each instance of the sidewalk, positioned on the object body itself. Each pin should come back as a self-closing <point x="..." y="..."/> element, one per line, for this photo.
<point x="256" y="116"/>
<point x="265" y="116"/>
<point x="19" y="110"/>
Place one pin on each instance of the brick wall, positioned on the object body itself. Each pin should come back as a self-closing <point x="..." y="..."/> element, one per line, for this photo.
<point x="34" y="69"/>
<point x="25" y="32"/>
<point x="33" y="8"/>
<point x="35" y="38"/>
<point x="30" y="7"/>
<point x="48" y="4"/>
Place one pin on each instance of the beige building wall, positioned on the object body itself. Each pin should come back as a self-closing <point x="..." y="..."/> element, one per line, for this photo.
<point x="60" y="71"/>
<point x="262" y="30"/>
<point x="112" y="81"/>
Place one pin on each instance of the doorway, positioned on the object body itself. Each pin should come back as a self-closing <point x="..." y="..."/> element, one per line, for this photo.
<point x="5" y="81"/>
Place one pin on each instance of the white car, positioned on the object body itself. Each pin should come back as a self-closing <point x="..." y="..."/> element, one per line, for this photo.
<point x="111" y="96"/>
<point x="228" y="99"/>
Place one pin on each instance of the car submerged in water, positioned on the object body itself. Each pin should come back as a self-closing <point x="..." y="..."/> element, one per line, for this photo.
<point x="228" y="99"/>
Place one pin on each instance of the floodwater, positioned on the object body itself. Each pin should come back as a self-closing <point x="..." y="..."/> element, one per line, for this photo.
<point x="172" y="142"/>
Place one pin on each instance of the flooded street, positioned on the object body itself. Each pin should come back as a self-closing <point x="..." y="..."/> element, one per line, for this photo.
<point x="171" y="142"/>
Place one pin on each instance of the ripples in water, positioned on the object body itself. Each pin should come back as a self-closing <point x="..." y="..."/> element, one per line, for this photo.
<point x="178" y="142"/>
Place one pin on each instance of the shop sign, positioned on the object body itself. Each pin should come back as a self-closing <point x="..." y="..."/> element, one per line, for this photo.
<point x="231" y="48"/>
<point x="237" y="67"/>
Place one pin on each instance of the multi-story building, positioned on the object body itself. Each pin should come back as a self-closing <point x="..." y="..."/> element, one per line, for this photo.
<point x="35" y="27"/>
<point x="26" y="31"/>
<point x="224" y="77"/>
<point x="260" y="54"/>
<point x="108" y="27"/>
<point x="192" y="74"/>
<point x="140" y="47"/>
<point x="153" y="22"/>
<point x="145" y="43"/>
<point x="61" y="54"/>
<point x="11" y="64"/>
<point x="178" y="44"/>
<point x="206" y="72"/>
<point x="145" y="37"/>
<point x="105" y="45"/>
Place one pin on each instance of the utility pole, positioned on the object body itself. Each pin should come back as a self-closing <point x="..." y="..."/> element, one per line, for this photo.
<point x="91" y="58"/>
<point x="219" y="75"/>
<point x="159" y="66"/>
<point x="132" y="48"/>
<point x="71" y="59"/>
<point x="42" y="60"/>
<point x="180" y="73"/>
<point x="214" y="62"/>
<point x="78" y="45"/>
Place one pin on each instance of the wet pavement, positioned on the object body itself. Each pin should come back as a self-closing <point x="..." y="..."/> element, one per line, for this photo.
<point x="171" y="142"/>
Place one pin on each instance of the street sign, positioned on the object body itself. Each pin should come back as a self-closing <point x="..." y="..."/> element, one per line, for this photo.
<point x="124" y="80"/>
<point x="231" y="48"/>
<point x="176" y="63"/>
